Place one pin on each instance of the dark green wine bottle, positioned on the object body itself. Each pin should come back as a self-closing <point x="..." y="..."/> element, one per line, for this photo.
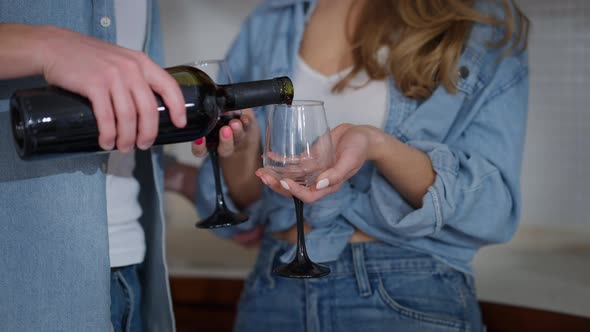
<point x="51" y="120"/>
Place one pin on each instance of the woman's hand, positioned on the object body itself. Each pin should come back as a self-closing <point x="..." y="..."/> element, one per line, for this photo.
<point x="251" y="238"/>
<point x="239" y="156"/>
<point x="239" y="136"/>
<point x="352" y="147"/>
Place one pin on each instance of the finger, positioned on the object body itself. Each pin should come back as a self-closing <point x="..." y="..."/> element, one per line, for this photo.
<point x="105" y="119"/>
<point x="237" y="131"/>
<point x="346" y="166"/>
<point x="246" y="122"/>
<point x="147" y="115"/>
<point x="125" y="115"/>
<point x="299" y="191"/>
<point x="272" y="182"/>
<point x="247" y="118"/>
<point x="306" y="195"/>
<point x="166" y="86"/>
<point x="226" y="142"/>
<point x="199" y="147"/>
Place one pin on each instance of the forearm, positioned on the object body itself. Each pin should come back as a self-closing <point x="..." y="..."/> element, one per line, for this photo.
<point x="238" y="170"/>
<point x="408" y="170"/>
<point x="23" y="47"/>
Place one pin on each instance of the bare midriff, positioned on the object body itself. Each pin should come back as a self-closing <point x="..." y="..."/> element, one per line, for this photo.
<point x="290" y="235"/>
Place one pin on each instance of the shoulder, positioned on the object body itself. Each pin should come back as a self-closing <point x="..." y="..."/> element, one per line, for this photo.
<point x="487" y="65"/>
<point x="269" y="13"/>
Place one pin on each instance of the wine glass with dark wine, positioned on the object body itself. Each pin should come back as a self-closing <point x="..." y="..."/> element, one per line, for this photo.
<point x="298" y="147"/>
<point x="222" y="216"/>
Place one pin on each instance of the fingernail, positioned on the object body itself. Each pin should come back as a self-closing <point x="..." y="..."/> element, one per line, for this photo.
<point x="234" y="125"/>
<point x="109" y="146"/>
<point x="226" y="132"/>
<point x="145" y="146"/>
<point x="285" y="185"/>
<point x="322" y="184"/>
<point x="199" y="141"/>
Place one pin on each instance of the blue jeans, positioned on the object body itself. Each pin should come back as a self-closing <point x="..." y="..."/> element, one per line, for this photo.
<point x="372" y="287"/>
<point x="125" y="299"/>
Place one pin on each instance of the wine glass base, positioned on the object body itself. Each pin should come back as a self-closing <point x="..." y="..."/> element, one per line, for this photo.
<point x="301" y="270"/>
<point x="222" y="218"/>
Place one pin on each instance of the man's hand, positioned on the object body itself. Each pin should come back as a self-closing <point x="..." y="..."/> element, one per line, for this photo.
<point x="117" y="81"/>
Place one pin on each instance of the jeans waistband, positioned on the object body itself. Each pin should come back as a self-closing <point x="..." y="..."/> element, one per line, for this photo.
<point x="360" y="260"/>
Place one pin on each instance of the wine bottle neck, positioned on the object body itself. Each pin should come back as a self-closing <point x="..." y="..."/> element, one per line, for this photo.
<point x="257" y="93"/>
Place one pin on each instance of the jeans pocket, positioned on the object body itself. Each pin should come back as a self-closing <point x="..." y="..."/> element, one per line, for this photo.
<point x="423" y="297"/>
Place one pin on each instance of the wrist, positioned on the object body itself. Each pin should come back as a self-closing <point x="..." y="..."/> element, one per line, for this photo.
<point x="42" y="38"/>
<point x="50" y="43"/>
<point x="245" y="155"/>
<point x="377" y="140"/>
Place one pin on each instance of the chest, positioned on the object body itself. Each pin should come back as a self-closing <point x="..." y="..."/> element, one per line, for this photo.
<point x="277" y="42"/>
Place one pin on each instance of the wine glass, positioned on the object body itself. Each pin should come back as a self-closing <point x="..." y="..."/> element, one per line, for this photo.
<point x="222" y="216"/>
<point x="298" y="147"/>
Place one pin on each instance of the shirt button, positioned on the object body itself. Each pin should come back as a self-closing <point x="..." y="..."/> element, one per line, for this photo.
<point x="463" y="72"/>
<point x="103" y="167"/>
<point x="105" y="22"/>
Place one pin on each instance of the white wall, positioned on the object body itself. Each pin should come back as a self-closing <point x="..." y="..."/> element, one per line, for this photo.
<point x="556" y="174"/>
<point x="556" y="183"/>
<point x="201" y="29"/>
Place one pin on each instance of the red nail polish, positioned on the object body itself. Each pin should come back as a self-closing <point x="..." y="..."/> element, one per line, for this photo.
<point x="226" y="132"/>
<point x="199" y="141"/>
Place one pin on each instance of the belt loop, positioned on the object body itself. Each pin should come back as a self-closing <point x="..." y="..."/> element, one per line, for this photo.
<point x="360" y="270"/>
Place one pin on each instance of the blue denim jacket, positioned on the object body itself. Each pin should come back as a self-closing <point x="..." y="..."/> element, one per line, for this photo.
<point x="55" y="271"/>
<point x="474" y="138"/>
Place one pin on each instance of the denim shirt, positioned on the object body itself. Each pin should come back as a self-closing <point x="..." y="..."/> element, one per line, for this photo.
<point x="55" y="271"/>
<point x="474" y="139"/>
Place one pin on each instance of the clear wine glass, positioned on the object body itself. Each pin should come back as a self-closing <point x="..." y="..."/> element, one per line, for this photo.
<point x="222" y="216"/>
<point x="298" y="147"/>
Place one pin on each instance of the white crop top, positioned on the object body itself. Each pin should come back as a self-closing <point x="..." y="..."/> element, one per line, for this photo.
<point x="364" y="106"/>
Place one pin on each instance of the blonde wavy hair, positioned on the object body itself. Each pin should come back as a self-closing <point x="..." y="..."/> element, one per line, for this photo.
<point x="425" y="40"/>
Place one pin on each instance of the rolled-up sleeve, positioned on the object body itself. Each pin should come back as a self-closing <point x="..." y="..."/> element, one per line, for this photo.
<point x="476" y="192"/>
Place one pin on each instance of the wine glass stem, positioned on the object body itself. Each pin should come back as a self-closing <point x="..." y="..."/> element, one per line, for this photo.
<point x="301" y="251"/>
<point x="220" y="201"/>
